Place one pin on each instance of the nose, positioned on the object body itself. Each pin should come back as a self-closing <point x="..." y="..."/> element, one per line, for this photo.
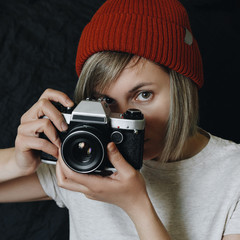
<point x="120" y="108"/>
<point x="117" y="109"/>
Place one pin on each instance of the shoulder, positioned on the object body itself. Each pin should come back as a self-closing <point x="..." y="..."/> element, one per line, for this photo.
<point x="225" y="155"/>
<point x="225" y="148"/>
<point x="48" y="180"/>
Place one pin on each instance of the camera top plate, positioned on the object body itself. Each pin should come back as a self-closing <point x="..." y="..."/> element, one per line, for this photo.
<point x="91" y="111"/>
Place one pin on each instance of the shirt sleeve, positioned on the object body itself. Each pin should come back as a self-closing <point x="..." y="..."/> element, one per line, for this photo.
<point x="47" y="177"/>
<point x="233" y="224"/>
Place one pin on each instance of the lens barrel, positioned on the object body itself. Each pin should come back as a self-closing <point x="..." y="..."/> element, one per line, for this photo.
<point x="83" y="151"/>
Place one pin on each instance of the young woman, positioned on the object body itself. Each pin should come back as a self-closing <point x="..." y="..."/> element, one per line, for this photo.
<point x="134" y="54"/>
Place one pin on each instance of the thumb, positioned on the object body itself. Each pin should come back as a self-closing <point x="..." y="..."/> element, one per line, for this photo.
<point x="117" y="160"/>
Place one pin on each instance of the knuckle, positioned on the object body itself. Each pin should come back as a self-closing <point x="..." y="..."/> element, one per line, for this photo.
<point x="18" y="141"/>
<point x="23" y="118"/>
<point x="42" y="102"/>
<point x="132" y="174"/>
<point x="43" y="144"/>
<point x="23" y="129"/>
<point x="46" y="123"/>
<point x="19" y="129"/>
<point x="56" y="139"/>
<point x="48" y="91"/>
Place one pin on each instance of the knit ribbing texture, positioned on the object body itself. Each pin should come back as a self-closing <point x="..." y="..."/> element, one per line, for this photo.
<point x="153" y="29"/>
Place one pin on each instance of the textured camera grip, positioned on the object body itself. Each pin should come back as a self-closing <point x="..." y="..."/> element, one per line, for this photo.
<point x="132" y="148"/>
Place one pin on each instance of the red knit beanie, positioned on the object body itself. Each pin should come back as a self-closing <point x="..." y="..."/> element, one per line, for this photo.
<point x="158" y="30"/>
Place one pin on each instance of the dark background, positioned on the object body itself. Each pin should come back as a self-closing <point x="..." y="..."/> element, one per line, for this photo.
<point x="38" y="42"/>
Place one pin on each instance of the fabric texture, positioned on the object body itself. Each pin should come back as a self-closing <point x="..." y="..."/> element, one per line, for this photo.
<point x="158" y="30"/>
<point x="197" y="198"/>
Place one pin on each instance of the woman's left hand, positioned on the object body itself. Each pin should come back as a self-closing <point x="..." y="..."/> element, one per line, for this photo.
<point x="125" y="187"/>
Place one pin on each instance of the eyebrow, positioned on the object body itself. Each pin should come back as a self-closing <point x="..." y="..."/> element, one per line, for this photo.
<point x="139" y="86"/>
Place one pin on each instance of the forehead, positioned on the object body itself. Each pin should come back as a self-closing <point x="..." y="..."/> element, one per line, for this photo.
<point x="139" y="72"/>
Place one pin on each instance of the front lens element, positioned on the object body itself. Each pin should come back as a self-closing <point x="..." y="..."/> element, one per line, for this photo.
<point x="82" y="151"/>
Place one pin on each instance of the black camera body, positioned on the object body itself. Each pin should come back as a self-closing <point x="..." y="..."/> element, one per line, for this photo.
<point x="91" y="126"/>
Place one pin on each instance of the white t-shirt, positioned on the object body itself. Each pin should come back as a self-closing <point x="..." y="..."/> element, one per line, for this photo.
<point x="196" y="198"/>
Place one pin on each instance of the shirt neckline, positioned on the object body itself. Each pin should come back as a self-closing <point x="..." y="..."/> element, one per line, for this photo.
<point x="197" y="159"/>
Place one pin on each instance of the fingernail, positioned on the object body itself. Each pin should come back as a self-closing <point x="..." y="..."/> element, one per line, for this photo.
<point x="69" y="102"/>
<point x="111" y="147"/>
<point x="64" y="126"/>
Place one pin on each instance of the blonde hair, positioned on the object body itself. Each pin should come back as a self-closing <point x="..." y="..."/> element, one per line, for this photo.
<point x="183" y="117"/>
<point x="103" y="68"/>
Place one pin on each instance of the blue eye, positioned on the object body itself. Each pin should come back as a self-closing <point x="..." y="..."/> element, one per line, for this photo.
<point x="144" y="96"/>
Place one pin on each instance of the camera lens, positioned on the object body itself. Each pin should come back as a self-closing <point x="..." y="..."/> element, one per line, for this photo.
<point x="82" y="151"/>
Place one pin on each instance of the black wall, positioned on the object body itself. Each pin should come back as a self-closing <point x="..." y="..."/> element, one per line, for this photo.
<point x="38" y="42"/>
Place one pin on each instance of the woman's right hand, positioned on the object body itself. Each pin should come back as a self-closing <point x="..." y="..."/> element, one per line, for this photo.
<point x="28" y="144"/>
